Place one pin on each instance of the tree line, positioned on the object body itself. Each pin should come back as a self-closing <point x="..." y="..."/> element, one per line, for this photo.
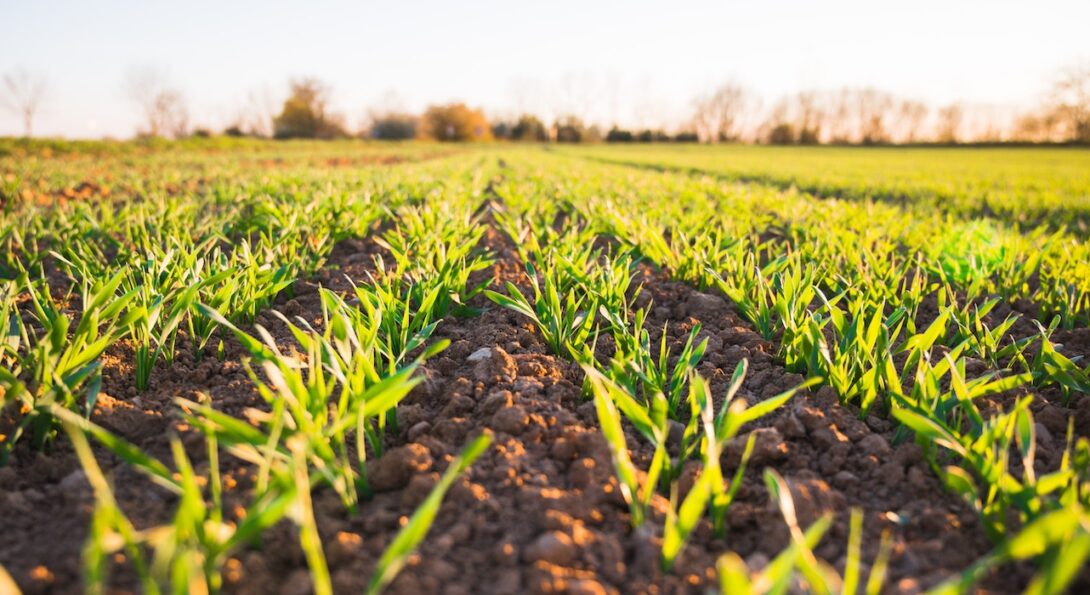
<point x="729" y="112"/>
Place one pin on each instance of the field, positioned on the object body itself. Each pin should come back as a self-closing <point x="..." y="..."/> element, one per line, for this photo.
<point x="256" y="367"/>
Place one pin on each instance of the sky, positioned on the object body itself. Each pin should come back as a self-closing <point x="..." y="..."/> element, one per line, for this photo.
<point x="638" y="62"/>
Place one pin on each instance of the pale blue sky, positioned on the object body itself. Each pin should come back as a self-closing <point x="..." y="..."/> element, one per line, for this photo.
<point x="641" y="60"/>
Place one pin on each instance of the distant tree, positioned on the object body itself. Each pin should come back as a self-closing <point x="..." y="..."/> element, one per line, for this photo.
<point x="618" y="135"/>
<point x="717" y="115"/>
<point x="455" y="122"/>
<point x="393" y="126"/>
<point x="782" y="134"/>
<point x="163" y="106"/>
<point x="529" y="129"/>
<point x="593" y="134"/>
<point x="23" y="96"/>
<point x="570" y="129"/>
<point x="949" y="125"/>
<point x="305" y="113"/>
<point x="652" y="136"/>
<point x="501" y="129"/>
<point x="686" y="136"/>
<point x="1037" y="128"/>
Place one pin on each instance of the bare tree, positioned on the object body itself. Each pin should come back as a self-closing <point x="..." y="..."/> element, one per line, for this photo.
<point x="24" y="92"/>
<point x="949" y="127"/>
<point x="1071" y="102"/>
<point x="839" y="115"/>
<point x="258" y="112"/>
<point x="577" y="94"/>
<point x="873" y="112"/>
<point x="163" y="106"/>
<point x="717" y="115"/>
<point x="910" y="115"/>
<point x="809" y="117"/>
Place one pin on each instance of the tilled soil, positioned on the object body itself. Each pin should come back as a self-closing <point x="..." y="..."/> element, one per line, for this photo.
<point x="540" y="511"/>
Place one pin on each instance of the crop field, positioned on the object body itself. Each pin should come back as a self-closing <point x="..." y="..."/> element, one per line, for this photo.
<point x="340" y="367"/>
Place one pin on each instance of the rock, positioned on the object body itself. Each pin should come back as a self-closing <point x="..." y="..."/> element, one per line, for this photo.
<point x="873" y="444"/>
<point x="826" y="438"/>
<point x="394" y="470"/>
<point x="496" y="400"/>
<point x="482" y="353"/>
<point x="757" y="561"/>
<point x="908" y="454"/>
<point x="499" y="367"/>
<point x="701" y="305"/>
<point x="1054" y="418"/>
<point x="813" y="498"/>
<point x="563" y="449"/>
<point x="790" y="426"/>
<point x="343" y="547"/>
<point x="581" y="474"/>
<point x="810" y="417"/>
<point x="73" y="481"/>
<point x="512" y="420"/>
<point x="418" y="430"/>
<point x="768" y="445"/>
<point x="844" y="479"/>
<point x="1044" y="437"/>
<point x="553" y="547"/>
<point x="917" y="479"/>
<point x="418" y="489"/>
<point x="675" y="432"/>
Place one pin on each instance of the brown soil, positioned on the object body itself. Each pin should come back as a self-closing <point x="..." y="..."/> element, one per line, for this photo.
<point x="540" y="511"/>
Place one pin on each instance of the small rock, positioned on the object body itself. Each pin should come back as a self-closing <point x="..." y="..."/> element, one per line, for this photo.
<point x="1044" y="437"/>
<point x="581" y="473"/>
<point x="418" y="430"/>
<point x="496" y="400"/>
<point x="917" y="479"/>
<point x="553" y="547"/>
<point x="1052" y="417"/>
<point x="790" y="426"/>
<point x="768" y="445"/>
<point x="813" y="498"/>
<point x="395" y="469"/>
<point x="675" y="432"/>
<point x="512" y="420"/>
<point x="73" y="481"/>
<point x="482" y="353"/>
<point x="757" y="561"/>
<point x="810" y="417"/>
<point x="843" y="479"/>
<point x="873" y="444"/>
<point x="826" y="438"/>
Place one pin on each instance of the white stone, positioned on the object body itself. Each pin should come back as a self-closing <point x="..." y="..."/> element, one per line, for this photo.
<point x="480" y="354"/>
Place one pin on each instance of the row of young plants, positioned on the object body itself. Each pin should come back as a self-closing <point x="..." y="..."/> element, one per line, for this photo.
<point x="194" y="267"/>
<point x="824" y="296"/>
<point x="582" y="296"/>
<point x="1024" y="186"/>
